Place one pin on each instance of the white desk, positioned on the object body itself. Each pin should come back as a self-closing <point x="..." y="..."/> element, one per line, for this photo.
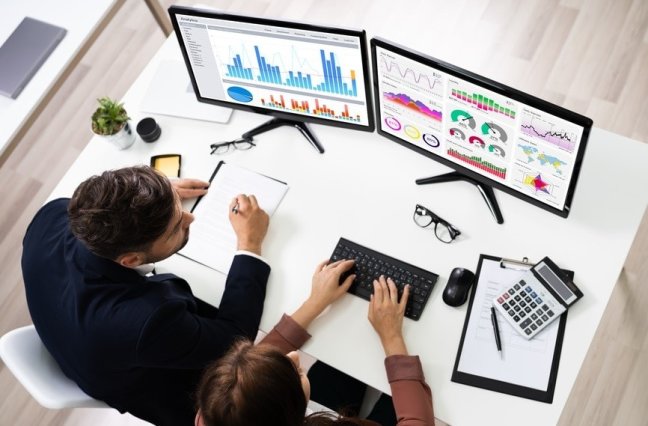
<point x="81" y="18"/>
<point x="363" y="188"/>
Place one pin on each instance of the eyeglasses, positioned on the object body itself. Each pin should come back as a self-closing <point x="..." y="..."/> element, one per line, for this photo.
<point x="444" y="232"/>
<point x="242" y="144"/>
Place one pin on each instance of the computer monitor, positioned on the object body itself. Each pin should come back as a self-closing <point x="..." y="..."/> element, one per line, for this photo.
<point x="491" y="134"/>
<point x="296" y="72"/>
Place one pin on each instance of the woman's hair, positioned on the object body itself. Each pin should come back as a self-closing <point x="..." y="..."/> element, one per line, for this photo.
<point x="252" y="385"/>
<point x="257" y="385"/>
<point x="122" y="210"/>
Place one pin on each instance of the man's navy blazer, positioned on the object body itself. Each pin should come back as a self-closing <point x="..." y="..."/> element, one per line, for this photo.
<point x="138" y="343"/>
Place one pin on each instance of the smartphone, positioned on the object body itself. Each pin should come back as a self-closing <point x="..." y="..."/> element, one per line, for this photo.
<point x="168" y="164"/>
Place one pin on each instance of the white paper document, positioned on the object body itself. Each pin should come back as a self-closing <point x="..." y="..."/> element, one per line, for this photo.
<point x="523" y="362"/>
<point x="212" y="241"/>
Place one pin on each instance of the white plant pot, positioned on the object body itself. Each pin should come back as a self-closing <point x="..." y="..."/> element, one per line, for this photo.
<point x="122" y="139"/>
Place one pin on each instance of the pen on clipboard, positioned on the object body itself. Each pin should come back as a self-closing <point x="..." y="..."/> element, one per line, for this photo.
<point x="498" y="341"/>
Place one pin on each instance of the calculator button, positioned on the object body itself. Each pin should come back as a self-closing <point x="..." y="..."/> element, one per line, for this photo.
<point x="517" y="297"/>
<point x="522" y="283"/>
<point x="517" y="308"/>
<point x="525" y="323"/>
<point x="511" y="312"/>
<point x="533" y="294"/>
<point x="500" y="300"/>
<point x="522" y="304"/>
<point x="550" y="313"/>
<point x="539" y="312"/>
<point x="539" y="322"/>
<point x="538" y="300"/>
<point x="534" y="317"/>
<point x="513" y="302"/>
<point x="516" y="318"/>
<point x="534" y="327"/>
<point x="544" y="317"/>
<point x="527" y="309"/>
<point x="516" y="286"/>
<point x="505" y="296"/>
<point x="505" y="306"/>
<point x="522" y="314"/>
<point x="527" y="331"/>
<point x="528" y="290"/>
<point x="511" y="291"/>
<point x="533" y="305"/>
<point x="527" y="299"/>
<point x="545" y="307"/>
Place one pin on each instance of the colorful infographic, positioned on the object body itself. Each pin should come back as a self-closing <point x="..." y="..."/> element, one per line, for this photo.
<point x="509" y="142"/>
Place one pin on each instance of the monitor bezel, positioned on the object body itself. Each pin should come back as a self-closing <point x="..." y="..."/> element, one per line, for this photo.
<point x="366" y="63"/>
<point x="499" y="88"/>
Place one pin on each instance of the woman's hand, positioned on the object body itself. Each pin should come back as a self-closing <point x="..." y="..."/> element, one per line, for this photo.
<point x="325" y="289"/>
<point x="386" y="315"/>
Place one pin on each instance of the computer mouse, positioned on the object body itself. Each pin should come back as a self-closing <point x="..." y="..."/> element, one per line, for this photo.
<point x="459" y="283"/>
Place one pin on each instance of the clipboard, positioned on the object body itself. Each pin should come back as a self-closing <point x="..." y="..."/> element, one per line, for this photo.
<point x="540" y="374"/>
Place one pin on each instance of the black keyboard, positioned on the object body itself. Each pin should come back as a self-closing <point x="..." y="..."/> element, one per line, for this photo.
<point x="370" y="264"/>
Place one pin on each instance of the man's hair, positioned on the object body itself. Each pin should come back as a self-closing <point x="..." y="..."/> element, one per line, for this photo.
<point x="257" y="385"/>
<point x="122" y="210"/>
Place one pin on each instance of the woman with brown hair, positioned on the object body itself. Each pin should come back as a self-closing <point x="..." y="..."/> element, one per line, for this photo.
<point x="264" y="384"/>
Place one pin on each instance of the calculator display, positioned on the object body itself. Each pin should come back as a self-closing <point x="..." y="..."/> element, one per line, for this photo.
<point x="555" y="282"/>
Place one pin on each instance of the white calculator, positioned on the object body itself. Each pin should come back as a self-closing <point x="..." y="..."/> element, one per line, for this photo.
<point x="539" y="297"/>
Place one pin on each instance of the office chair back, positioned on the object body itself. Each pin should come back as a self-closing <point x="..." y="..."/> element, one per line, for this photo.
<point x="25" y="355"/>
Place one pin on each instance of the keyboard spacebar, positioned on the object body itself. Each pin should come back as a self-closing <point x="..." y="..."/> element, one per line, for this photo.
<point x="362" y="292"/>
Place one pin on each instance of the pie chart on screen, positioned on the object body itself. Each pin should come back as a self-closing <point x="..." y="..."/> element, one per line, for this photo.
<point x="239" y="93"/>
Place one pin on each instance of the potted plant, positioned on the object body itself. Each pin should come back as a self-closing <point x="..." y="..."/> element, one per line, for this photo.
<point x="110" y="121"/>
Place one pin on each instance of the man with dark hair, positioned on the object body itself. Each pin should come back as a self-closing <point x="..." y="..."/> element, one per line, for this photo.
<point x="136" y="340"/>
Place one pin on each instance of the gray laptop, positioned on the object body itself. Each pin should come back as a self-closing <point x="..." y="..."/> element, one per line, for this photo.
<point x="24" y="52"/>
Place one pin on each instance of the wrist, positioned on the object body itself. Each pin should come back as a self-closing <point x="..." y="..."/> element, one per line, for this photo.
<point x="394" y="345"/>
<point x="252" y="248"/>
<point x="307" y="312"/>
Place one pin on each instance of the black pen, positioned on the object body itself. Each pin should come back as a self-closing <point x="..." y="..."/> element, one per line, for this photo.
<point x="498" y="342"/>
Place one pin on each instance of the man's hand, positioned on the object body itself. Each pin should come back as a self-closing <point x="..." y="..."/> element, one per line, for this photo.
<point x="386" y="315"/>
<point x="250" y="223"/>
<point x="190" y="188"/>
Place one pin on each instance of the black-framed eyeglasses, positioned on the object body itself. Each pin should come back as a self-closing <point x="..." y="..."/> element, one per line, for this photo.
<point x="444" y="231"/>
<point x="242" y="144"/>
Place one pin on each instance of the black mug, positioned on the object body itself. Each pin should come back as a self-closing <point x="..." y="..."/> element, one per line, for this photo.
<point x="148" y="129"/>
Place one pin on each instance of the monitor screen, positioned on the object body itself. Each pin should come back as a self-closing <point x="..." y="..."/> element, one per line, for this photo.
<point x="289" y="70"/>
<point x="492" y="133"/>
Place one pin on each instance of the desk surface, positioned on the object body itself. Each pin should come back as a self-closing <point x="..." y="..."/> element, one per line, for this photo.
<point x="79" y="18"/>
<point x="363" y="188"/>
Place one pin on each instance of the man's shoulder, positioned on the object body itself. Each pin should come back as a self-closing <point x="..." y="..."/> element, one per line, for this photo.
<point x="52" y="212"/>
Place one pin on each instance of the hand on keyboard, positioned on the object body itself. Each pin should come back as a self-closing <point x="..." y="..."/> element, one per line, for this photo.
<point x="327" y="284"/>
<point x="370" y="264"/>
<point x="386" y="315"/>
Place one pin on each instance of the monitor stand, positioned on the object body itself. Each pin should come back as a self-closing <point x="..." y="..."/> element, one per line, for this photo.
<point x="276" y="122"/>
<point x="485" y="190"/>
